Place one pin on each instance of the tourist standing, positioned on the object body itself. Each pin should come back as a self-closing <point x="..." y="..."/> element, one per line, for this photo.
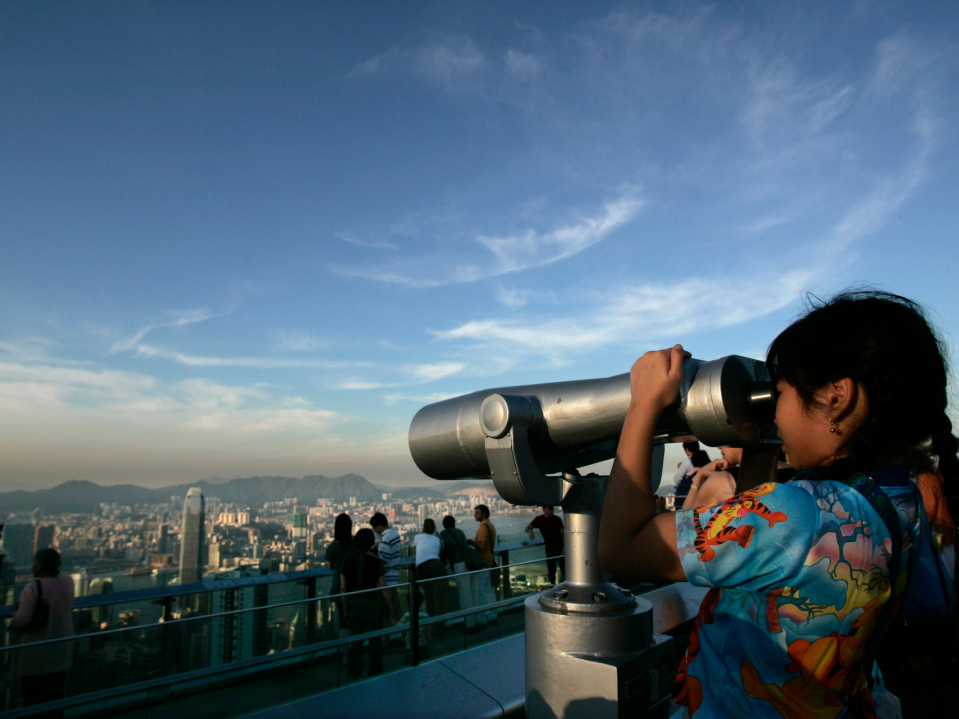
<point x="389" y="549"/>
<point x="361" y="572"/>
<point x="44" y="612"/>
<point x="456" y="545"/>
<point x="482" y="582"/>
<point x="340" y="548"/>
<point x="429" y="568"/>
<point x="551" y="527"/>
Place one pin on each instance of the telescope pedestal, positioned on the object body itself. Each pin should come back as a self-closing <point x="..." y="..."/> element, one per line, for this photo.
<point x="596" y="666"/>
<point x="590" y="647"/>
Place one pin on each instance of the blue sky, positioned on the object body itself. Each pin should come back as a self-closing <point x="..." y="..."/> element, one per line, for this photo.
<point x="254" y="238"/>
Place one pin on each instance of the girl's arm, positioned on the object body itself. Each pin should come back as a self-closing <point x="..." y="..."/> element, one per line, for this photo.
<point x="343" y="591"/>
<point x="636" y="544"/>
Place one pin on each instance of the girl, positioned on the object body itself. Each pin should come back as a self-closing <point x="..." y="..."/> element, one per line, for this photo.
<point x="800" y="573"/>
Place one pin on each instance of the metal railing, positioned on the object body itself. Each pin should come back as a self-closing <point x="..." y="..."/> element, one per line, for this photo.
<point x="152" y="654"/>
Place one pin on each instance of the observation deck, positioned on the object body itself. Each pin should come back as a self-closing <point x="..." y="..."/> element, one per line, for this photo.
<point x="241" y="646"/>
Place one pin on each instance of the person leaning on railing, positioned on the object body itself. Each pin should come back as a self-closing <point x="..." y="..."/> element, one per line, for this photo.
<point x="429" y="568"/>
<point x="44" y="612"/>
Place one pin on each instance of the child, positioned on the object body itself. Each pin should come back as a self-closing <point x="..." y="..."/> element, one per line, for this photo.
<point x="800" y="573"/>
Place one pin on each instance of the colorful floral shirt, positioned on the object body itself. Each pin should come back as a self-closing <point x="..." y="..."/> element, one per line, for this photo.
<point x="799" y="575"/>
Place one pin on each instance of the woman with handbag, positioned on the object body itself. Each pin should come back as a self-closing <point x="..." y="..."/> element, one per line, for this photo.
<point x="44" y="612"/>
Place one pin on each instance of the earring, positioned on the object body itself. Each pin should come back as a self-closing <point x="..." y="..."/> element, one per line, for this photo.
<point x="832" y="425"/>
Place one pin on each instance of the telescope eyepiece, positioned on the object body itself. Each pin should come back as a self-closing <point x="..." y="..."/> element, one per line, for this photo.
<point x="761" y="398"/>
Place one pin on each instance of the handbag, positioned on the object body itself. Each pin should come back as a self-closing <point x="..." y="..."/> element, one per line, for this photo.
<point x="41" y="614"/>
<point x="472" y="558"/>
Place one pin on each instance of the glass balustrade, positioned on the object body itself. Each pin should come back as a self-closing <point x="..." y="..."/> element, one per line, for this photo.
<point x="129" y="640"/>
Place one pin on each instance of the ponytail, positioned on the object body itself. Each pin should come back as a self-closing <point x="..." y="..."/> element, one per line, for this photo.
<point x="945" y="445"/>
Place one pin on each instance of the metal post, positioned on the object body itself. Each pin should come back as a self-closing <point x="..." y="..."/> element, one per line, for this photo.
<point x="504" y="576"/>
<point x="311" y="609"/>
<point x="582" y="548"/>
<point x="414" y="620"/>
<point x="587" y="638"/>
<point x="166" y="617"/>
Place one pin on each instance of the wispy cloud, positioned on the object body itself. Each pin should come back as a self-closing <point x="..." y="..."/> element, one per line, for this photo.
<point x="144" y="350"/>
<point x="357" y="384"/>
<point x="370" y="244"/>
<point x="641" y="314"/>
<point x="451" y="61"/>
<point x="106" y="397"/>
<point x="435" y="371"/>
<point x="296" y="341"/>
<point x="533" y="249"/>
<point x="179" y="319"/>
<point x="523" y="66"/>
<point x="418" y="398"/>
<point x="507" y="253"/>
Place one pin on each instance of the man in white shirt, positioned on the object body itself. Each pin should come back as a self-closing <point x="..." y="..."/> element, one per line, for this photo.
<point x="389" y="549"/>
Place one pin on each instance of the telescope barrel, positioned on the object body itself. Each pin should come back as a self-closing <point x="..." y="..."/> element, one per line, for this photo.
<point x="578" y="423"/>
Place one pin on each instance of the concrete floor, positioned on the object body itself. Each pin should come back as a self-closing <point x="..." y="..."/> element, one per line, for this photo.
<point x="273" y="688"/>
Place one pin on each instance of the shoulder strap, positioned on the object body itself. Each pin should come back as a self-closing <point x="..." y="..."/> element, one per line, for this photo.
<point x="39" y="590"/>
<point x="880" y="502"/>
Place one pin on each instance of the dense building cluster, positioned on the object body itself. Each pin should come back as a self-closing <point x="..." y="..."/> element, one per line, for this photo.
<point x="278" y="536"/>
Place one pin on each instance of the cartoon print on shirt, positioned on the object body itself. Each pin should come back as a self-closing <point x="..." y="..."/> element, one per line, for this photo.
<point x="718" y="529"/>
<point x="828" y="669"/>
<point x="846" y="553"/>
<point x="798" y="630"/>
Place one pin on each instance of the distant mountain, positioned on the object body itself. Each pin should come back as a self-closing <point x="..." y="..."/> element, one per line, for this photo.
<point x="77" y="496"/>
<point x="84" y="496"/>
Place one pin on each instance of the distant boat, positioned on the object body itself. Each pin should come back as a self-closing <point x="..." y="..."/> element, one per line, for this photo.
<point x="136" y="571"/>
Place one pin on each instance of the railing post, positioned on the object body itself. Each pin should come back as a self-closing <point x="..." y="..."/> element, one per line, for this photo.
<point x="164" y="628"/>
<point x="504" y="577"/>
<point x="312" y="608"/>
<point x="414" y="620"/>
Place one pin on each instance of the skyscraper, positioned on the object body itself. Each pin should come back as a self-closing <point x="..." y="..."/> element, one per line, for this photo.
<point x="43" y="536"/>
<point x="191" y="537"/>
<point x="300" y="519"/>
<point x="423" y="512"/>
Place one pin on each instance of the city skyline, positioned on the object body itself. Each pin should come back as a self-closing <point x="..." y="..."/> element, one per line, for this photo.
<point x="254" y="240"/>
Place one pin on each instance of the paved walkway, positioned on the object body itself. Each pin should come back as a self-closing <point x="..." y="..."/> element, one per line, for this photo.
<point x="273" y="688"/>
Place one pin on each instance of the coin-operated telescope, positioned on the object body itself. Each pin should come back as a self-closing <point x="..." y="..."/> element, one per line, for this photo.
<point x="590" y="646"/>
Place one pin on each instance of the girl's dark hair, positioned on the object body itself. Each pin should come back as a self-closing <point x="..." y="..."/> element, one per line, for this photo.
<point x="364" y="540"/>
<point x="449" y="521"/>
<point x="700" y="459"/>
<point x="429" y="526"/>
<point x="884" y="343"/>
<point x="49" y="561"/>
<point x="343" y="529"/>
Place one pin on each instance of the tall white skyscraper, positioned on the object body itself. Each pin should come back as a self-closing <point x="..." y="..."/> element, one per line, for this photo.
<point x="423" y="512"/>
<point x="191" y="537"/>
